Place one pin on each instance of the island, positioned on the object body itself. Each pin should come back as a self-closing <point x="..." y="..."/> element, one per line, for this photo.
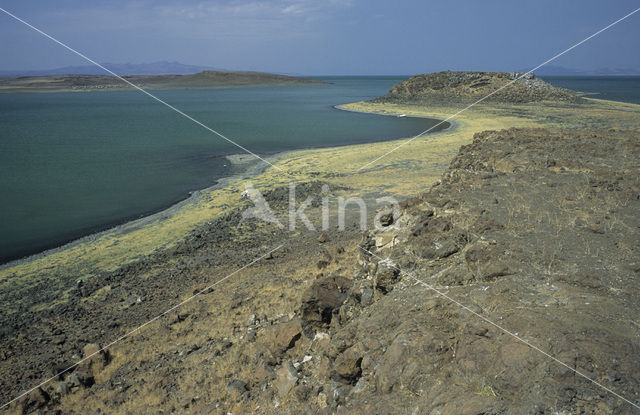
<point x="204" y="79"/>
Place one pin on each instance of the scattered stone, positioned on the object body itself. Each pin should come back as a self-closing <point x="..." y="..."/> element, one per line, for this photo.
<point x="367" y="297"/>
<point x="35" y="399"/>
<point x="236" y="387"/>
<point x="286" y="334"/>
<point x="360" y="386"/>
<point x="389" y="371"/>
<point x="322" y="264"/>
<point x="236" y="301"/>
<point x="595" y="228"/>
<point x="286" y="379"/>
<point x="323" y="298"/>
<point x="323" y="238"/>
<point x="62" y="388"/>
<point x="302" y="392"/>
<point x="386" y="219"/>
<point x="385" y="277"/>
<point x="96" y="358"/>
<point x="180" y="317"/>
<point x="322" y="400"/>
<point x="263" y="372"/>
<point x="347" y="364"/>
<point x="385" y="240"/>
<point x="60" y="339"/>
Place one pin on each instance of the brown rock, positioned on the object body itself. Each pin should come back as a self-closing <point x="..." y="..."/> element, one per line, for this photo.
<point x="91" y="351"/>
<point x="35" y="399"/>
<point x="60" y="339"/>
<point x="348" y="364"/>
<point x="286" y="379"/>
<point x="95" y="361"/>
<point x="386" y="219"/>
<point x="323" y="298"/>
<point x="263" y="372"/>
<point x="236" y="388"/>
<point x="286" y="334"/>
<point x="390" y="370"/>
<point x="385" y="277"/>
<point x="385" y="240"/>
<point x="595" y="228"/>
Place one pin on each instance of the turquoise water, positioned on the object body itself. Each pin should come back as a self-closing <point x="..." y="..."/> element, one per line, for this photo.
<point x="75" y="163"/>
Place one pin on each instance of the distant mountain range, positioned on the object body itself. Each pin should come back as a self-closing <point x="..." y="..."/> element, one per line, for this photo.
<point x="551" y="70"/>
<point x="154" y="68"/>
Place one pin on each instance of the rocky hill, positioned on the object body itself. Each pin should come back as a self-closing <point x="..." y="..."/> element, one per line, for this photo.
<point x="468" y="87"/>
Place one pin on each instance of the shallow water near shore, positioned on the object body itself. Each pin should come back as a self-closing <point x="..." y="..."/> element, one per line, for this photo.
<point x="75" y="163"/>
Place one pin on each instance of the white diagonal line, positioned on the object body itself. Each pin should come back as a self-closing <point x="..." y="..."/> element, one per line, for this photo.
<point x="124" y="336"/>
<point x="139" y="88"/>
<point x="514" y="335"/>
<point x="501" y="88"/>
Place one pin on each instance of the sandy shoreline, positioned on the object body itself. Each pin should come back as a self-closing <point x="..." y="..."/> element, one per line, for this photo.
<point x="396" y="175"/>
<point x="477" y="119"/>
<point x="163" y="213"/>
<point x="252" y="167"/>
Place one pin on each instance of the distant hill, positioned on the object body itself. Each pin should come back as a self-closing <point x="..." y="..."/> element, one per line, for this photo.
<point x="154" y="68"/>
<point x="204" y="79"/>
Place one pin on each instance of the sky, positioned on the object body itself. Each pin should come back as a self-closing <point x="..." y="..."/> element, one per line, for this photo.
<point x="322" y="37"/>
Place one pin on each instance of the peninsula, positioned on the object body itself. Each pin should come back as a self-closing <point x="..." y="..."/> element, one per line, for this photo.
<point x="522" y="214"/>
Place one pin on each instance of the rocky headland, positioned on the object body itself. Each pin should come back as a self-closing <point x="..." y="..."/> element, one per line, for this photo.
<point x="468" y="87"/>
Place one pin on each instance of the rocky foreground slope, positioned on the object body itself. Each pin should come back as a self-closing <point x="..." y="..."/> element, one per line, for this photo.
<point x="448" y="86"/>
<point x="534" y="230"/>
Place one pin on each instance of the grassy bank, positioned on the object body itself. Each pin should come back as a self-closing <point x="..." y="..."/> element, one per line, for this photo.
<point x="404" y="172"/>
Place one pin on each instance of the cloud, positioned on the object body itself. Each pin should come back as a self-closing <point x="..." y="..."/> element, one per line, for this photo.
<point x="259" y="19"/>
<point x="255" y="9"/>
<point x="224" y="33"/>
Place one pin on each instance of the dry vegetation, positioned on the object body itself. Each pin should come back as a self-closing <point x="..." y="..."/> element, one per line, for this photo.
<point x="188" y="360"/>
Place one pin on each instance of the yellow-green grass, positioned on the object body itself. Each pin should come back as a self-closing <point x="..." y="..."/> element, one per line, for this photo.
<point x="404" y="172"/>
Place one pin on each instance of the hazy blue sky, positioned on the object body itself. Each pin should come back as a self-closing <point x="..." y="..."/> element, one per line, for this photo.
<point x="322" y="36"/>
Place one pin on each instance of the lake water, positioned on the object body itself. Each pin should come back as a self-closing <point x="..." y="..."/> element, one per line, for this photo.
<point x="75" y="163"/>
<point x="614" y="88"/>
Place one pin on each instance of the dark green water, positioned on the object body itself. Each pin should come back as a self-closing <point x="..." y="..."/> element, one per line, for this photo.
<point x="75" y="163"/>
<point x="614" y="88"/>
